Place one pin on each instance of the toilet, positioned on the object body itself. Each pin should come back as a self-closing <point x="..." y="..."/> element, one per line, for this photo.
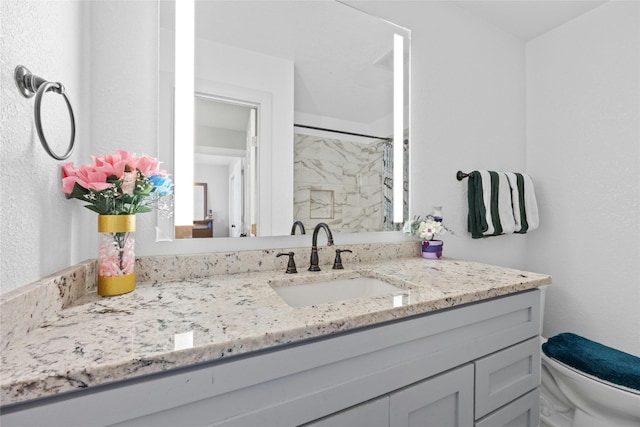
<point x="570" y="397"/>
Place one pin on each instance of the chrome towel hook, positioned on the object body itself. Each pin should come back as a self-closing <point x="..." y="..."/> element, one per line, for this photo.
<point x="29" y="84"/>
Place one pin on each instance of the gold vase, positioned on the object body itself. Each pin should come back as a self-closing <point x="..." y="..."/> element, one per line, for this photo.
<point x="116" y="254"/>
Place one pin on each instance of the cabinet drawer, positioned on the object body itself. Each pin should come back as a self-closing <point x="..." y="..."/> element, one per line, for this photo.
<point x="523" y="412"/>
<point x="503" y="376"/>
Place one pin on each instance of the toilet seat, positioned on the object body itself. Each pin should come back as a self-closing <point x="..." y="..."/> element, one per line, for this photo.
<point x="595" y="360"/>
<point x="591" y="377"/>
<point x="594" y="401"/>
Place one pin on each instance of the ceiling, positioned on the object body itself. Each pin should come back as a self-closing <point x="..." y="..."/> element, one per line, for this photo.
<point x="339" y="53"/>
<point x="286" y="32"/>
<point x="527" y="19"/>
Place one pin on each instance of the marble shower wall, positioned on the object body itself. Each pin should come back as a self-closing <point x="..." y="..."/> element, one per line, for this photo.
<point x="338" y="182"/>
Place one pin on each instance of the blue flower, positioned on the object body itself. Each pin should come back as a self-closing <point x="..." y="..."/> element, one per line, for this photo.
<point x="162" y="184"/>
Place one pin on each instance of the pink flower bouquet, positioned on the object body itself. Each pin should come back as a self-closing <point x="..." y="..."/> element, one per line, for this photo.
<point x="117" y="184"/>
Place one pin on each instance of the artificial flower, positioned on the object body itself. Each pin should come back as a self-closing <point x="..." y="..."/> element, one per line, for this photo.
<point x="426" y="229"/>
<point x="429" y="229"/>
<point x="163" y="184"/>
<point x="117" y="184"/>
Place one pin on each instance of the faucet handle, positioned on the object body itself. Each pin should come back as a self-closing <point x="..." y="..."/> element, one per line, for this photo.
<point x="337" y="263"/>
<point x="291" y="265"/>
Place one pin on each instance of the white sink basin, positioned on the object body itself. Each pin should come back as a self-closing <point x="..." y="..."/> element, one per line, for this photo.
<point x="335" y="290"/>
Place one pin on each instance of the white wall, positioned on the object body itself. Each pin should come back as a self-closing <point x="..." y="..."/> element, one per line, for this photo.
<point x="36" y="221"/>
<point x="583" y="131"/>
<point x="208" y="136"/>
<point x="468" y="112"/>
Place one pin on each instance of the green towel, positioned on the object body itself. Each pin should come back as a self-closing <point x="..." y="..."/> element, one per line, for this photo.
<point x="523" y="213"/>
<point x="477" y="218"/>
<point x="495" y="213"/>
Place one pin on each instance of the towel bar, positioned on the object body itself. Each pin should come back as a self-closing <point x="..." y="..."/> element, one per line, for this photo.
<point x="461" y="175"/>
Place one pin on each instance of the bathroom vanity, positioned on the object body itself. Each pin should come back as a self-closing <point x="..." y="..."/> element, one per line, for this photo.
<point x="459" y="345"/>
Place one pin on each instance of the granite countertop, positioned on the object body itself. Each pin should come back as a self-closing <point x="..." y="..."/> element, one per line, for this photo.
<point x="94" y="340"/>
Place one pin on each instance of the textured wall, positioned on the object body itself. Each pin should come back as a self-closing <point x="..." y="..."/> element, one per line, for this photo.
<point x="583" y="105"/>
<point x="99" y="51"/>
<point x="124" y="91"/>
<point x="36" y="221"/>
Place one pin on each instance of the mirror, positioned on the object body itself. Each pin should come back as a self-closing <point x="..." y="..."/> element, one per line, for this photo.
<point x="202" y="220"/>
<point x="224" y="151"/>
<point x="319" y="77"/>
<point x="200" y="203"/>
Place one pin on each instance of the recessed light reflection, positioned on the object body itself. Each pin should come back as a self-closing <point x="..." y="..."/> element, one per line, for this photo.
<point x="183" y="340"/>
<point x="397" y="300"/>
<point x="402" y="299"/>
<point x="398" y="127"/>
<point x="184" y="111"/>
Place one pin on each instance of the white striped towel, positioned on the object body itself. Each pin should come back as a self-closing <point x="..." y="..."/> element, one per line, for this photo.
<point x="523" y="199"/>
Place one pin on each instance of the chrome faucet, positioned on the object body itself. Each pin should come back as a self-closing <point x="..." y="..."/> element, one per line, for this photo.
<point x="300" y="225"/>
<point x="314" y="244"/>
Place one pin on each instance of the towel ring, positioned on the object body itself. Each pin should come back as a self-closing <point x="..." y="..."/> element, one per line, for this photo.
<point x="29" y="85"/>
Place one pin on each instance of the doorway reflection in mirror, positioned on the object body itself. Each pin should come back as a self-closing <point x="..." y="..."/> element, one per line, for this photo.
<point x="225" y="158"/>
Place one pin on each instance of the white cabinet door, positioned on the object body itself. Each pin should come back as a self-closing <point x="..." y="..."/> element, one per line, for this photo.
<point x="443" y="401"/>
<point x="374" y="413"/>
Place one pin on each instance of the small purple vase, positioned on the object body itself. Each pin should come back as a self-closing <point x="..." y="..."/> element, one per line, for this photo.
<point x="432" y="249"/>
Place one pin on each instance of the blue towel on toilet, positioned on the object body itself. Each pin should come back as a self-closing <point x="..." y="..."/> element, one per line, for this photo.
<point x="595" y="359"/>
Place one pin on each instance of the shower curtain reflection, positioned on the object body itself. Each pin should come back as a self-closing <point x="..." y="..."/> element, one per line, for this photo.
<point x="387" y="186"/>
